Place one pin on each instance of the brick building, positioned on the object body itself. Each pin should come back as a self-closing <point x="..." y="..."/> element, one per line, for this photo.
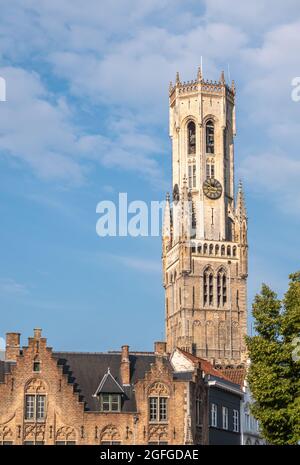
<point x="124" y="397"/>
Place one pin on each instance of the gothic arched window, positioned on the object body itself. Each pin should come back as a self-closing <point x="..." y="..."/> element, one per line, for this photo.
<point x="191" y="137"/>
<point x="210" y="137"/>
<point x="208" y="289"/>
<point x="221" y="288"/>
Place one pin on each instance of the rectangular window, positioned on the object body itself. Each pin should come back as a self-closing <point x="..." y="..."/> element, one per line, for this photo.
<point x="153" y="408"/>
<point x="35" y="407"/>
<point x="158" y="409"/>
<point x="192" y="176"/>
<point x="236" y="425"/>
<point x="40" y="407"/>
<point x="225" y="417"/>
<point x="115" y="403"/>
<point x="110" y="403"/>
<point x="36" y="366"/>
<point x="29" y="407"/>
<point x="214" y="415"/>
<point x="162" y="409"/>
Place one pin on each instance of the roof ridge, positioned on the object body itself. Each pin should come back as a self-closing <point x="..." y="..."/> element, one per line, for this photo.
<point x="203" y="361"/>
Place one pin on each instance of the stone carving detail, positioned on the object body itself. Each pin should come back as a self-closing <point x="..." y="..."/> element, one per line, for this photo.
<point x="6" y="433"/>
<point x="110" y="433"/>
<point x="35" y="385"/>
<point x="66" y="433"/>
<point x="158" y="389"/>
<point x="34" y="432"/>
<point x="197" y="323"/>
<point x="158" y="432"/>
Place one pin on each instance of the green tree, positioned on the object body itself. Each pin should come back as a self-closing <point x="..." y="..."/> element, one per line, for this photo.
<point x="274" y="372"/>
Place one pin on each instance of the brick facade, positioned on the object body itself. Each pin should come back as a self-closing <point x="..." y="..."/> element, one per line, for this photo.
<point x="72" y="413"/>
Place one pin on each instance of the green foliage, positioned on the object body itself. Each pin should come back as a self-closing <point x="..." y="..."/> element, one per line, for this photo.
<point x="274" y="373"/>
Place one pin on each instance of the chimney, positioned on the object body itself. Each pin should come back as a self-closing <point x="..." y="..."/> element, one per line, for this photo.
<point x="160" y="348"/>
<point x="37" y="332"/>
<point x="12" y="349"/>
<point x="125" y="365"/>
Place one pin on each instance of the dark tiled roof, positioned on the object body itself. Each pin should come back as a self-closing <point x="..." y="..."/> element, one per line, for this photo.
<point x="86" y="370"/>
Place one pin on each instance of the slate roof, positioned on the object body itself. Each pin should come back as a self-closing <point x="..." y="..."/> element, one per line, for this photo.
<point x="109" y="385"/>
<point x="86" y="371"/>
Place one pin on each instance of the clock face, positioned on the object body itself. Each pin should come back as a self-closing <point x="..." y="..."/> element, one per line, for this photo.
<point x="212" y="188"/>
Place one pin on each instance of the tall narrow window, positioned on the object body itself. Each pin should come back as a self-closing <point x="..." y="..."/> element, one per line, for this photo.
<point x="210" y="137"/>
<point x="191" y="133"/>
<point x="224" y="417"/>
<point x="192" y="176"/>
<point x="210" y="168"/>
<point x="214" y="415"/>
<point x="208" y="287"/>
<point x="236" y="423"/>
<point x="221" y="288"/>
<point x="211" y="289"/>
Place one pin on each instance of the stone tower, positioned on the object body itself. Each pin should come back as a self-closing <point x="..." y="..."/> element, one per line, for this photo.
<point x="205" y="251"/>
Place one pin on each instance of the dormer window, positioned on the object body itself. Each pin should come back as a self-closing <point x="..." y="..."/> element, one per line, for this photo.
<point x="110" y="402"/>
<point x="109" y="393"/>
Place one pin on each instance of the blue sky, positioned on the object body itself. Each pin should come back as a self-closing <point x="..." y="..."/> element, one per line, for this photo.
<point x="86" y="117"/>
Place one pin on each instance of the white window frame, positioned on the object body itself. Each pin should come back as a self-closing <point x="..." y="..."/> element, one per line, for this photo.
<point x="158" y="409"/>
<point x="37" y="408"/>
<point x="192" y="183"/>
<point x="225" y="418"/>
<point x="214" y="415"/>
<point x="236" y="421"/>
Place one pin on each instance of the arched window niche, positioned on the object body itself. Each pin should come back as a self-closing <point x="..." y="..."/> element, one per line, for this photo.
<point x="210" y="136"/>
<point x="191" y="138"/>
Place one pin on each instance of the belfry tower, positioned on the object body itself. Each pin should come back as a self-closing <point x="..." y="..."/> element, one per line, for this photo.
<point x="205" y="251"/>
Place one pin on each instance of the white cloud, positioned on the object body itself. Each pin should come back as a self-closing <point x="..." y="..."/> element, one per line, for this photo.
<point x="37" y="128"/>
<point x="10" y="286"/>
